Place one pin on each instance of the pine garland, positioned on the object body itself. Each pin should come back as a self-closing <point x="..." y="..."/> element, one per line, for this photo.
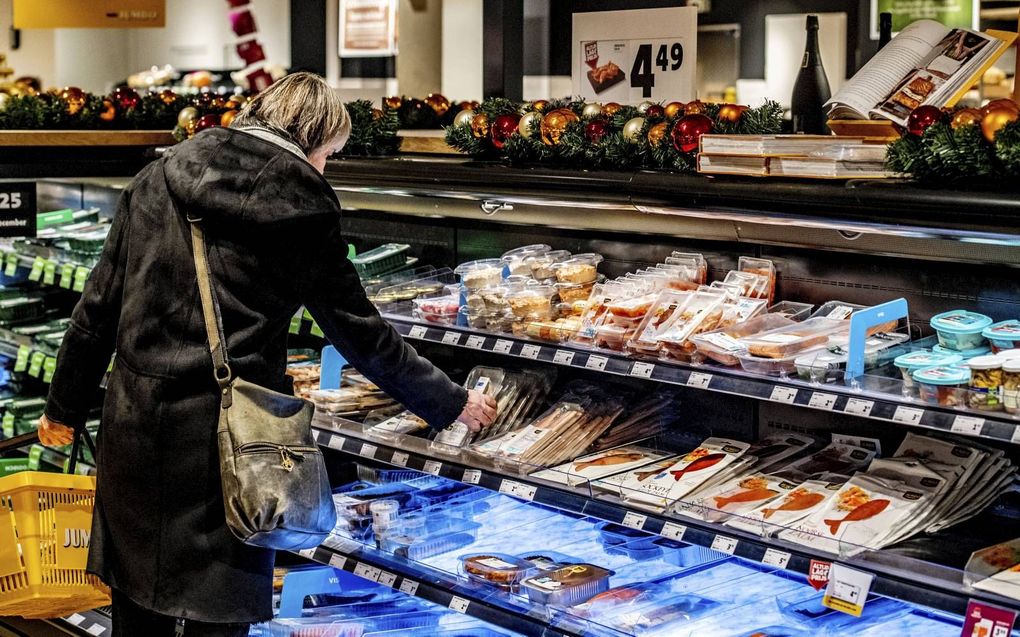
<point x="944" y="155"/>
<point x="49" y="112"/>
<point x="612" y="151"/>
<point x="372" y="134"/>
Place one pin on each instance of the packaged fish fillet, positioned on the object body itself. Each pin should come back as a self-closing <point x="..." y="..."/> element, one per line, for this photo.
<point x="676" y="481"/>
<point x="774" y="451"/>
<point x="738" y="496"/>
<point x="600" y="465"/>
<point x="798" y="503"/>
<point x="859" y="515"/>
<point x="835" y="458"/>
<point x="614" y="483"/>
<point x="913" y="474"/>
<point x="619" y="597"/>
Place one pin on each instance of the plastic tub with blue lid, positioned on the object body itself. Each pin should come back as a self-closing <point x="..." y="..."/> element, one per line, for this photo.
<point x="960" y="329"/>
<point x="945" y="385"/>
<point x="912" y="361"/>
<point x="1003" y="335"/>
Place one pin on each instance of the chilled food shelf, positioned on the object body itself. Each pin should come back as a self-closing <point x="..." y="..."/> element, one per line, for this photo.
<point x="907" y="578"/>
<point x="876" y="399"/>
<point x="90" y="622"/>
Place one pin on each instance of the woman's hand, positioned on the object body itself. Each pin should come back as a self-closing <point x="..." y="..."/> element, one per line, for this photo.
<point x="479" y="412"/>
<point x="54" y="434"/>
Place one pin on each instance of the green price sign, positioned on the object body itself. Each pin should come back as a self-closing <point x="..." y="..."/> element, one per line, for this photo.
<point x="961" y="14"/>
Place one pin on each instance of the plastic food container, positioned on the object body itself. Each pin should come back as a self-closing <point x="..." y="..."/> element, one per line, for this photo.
<point x="764" y="268"/>
<point x="532" y="302"/>
<point x="575" y="292"/>
<point x="830" y="364"/>
<point x="1011" y="385"/>
<point x="723" y="345"/>
<point x="381" y="259"/>
<point x="791" y="310"/>
<point x="984" y="390"/>
<point x="945" y="385"/>
<point x="1009" y="354"/>
<point x="384" y="513"/>
<point x="549" y="560"/>
<point x="839" y="310"/>
<point x="483" y="273"/>
<point x="578" y="269"/>
<point x="568" y="585"/>
<point x="494" y="298"/>
<point x="613" y="337"/>
<point x="788" y="341"/>
<point x="693" y="259"/>
<point x="617" y="534"/>
<point x="1003" y="336"/>
<point x="557" y="331"/>
<point x="505" y="571"/>
<point x="542" y="265"/>
<point x="442" y="309"/>
<point x="960" y="329"/>
<point x="966" y="354"/>
<point x="516" y="260"/>
<point x="420" y="547"/>
<point x="913" y="361"/>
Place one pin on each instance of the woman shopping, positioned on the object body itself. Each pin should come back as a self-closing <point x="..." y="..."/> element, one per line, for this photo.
<point x="272" y="226"/>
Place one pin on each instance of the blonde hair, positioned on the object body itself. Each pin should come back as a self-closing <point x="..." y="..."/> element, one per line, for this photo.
<point x="301" y="106"/>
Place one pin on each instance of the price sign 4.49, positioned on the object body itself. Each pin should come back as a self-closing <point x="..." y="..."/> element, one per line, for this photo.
<point x="668" y="56"/>
<point x="17" y="209"/>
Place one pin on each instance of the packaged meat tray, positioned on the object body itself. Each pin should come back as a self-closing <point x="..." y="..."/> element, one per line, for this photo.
<point x="417" y="547"/>
<point x="829" y="364"/>
<point x="738" y="496"/>
<point x="701" y="313"/>
<point x="505" y="571"/>
<point x="549" y="560"/>
<point x="567" y="585"/>
<point x="784" y="342"/>
<point x="441" y="309"/>
<point x="722" y="345"/>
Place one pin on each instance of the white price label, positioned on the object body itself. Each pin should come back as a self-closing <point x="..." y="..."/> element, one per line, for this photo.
<point x="459" y="604"/>
<point x="597" y="362"/>
<point x="782" y="394"/>
<point x="338" y="561"/>
<point x="530" y="351"/>
<point x="634" y="520"/>
<point x="336" y="442"/>
<point x="418" y="331"/>
<point x="908" y="415"/>
<point x="503" y="346"/>
<point x="776" y="558"/>
<point x="471" y="476"/>
<point x="642" y="370"/>
<point x="451" y="338"/>
<point x="699" y="379"/>
<point x="96" y="629"/>
<point x="367" y="571"/>
<point x="399" y="458"/>
<point x="475" y="341"/>
<point x="968" y="425"/>
<point x="409" y="587"/>
<point x="859" y="407"/>
<point x="723" y="544"/>
<point x="673" y="531"/>
<point x="848" y="590"/>
<point x="653" y="67"/>
<point x="368" y="451"/>
<point x="308" y="553"/>
<point x="563" y="357"/>
<point x="75" y="620"/>
<point x="316" y="435"/>
<point x="433" y="467"/>
<point x="517" y="489"/>
<point x="1016" y="435"/>
<point x="387" y="579"/>
<point x="821" y="400"/>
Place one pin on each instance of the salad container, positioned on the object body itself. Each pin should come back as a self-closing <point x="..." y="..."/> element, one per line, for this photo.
<point x="960" y="329"/>
<point x="945" y="385"/>
<point x="483" y="273"/>
<point x="1003" y="336"/>
<point x="984" y="390"/>
<point x="912" y="361"/>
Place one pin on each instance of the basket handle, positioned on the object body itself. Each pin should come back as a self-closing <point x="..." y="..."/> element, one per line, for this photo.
<point x="32" y="437"/>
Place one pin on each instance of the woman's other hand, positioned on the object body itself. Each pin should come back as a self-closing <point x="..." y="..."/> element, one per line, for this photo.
<point x="54" y="434"/>
<point x="479" y="412"/>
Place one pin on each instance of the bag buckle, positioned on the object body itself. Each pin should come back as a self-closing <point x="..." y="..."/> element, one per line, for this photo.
<point x="223" y="375"/>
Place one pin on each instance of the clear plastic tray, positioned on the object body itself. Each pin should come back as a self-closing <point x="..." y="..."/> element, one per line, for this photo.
<point x="532" y="302"/>
<point x="516" y="260"/>
<point x="483" y="273"/>
<point x="578" y="269"/>
<point x="830" y="364"/>
<point x="785" y="342"/>
<point x="723" y="345"/>
<point x="542" y="265"/>
<point x="567" y="585"/>
<point x="500" y="569"/>
<point x="791" y="310"/>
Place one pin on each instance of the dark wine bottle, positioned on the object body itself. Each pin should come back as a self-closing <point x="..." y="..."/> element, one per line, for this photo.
<point x="811" y="90"/>
<point x="884" y="29"/>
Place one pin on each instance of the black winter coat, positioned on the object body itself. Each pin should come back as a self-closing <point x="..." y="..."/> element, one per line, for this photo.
<point x="273" y="228"/>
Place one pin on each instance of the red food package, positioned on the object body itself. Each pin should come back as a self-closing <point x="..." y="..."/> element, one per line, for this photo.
<point x="242" y="22"/>
<point x="259" y="80"/>
<point x="251" y="52"/>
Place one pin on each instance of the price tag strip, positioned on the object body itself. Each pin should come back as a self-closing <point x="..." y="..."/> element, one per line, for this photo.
<point x="847" y="590"/>
<point x="634" y="520"/>
<point x="673" y="531"/>
<point x="417" y="331"/>
<point x="699" y="379"/>
<point x="475" y="341"/>
<point x="471" y="476"/>
<point x="775" y="557"/>
<point x="400" y="458"/>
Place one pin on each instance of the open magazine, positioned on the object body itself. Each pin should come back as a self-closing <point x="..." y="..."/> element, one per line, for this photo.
<point x="927" y="63"/>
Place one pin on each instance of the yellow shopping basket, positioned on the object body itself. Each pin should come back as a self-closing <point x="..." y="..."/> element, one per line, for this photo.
<point x="45" y="525"/>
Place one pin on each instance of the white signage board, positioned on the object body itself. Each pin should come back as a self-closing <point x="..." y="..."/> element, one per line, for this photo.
<point x="368" y="28"/>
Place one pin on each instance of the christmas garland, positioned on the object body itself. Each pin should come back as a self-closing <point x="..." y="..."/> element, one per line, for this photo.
<point x="570" y="132"/>
<point x="977" y="147"/>
<point x="433" y="112"/>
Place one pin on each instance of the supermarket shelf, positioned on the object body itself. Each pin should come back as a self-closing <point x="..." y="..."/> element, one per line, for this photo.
<point x="90" y="622"/>
<point x="875" y="405"/>
<point x="433" y="586"/>
<point x="914" y="581"/>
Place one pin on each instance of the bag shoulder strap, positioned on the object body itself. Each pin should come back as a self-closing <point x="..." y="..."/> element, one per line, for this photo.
<point x="210" y="310"/>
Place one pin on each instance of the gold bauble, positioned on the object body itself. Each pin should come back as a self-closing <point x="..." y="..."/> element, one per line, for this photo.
<point x="73" y="98"/>
<point x="965" y="117"/>
<point x="643" y="107"/>
<point x="529" y="124"/>
<point x="632" y="129"/>
<point x="463" y="118"/>
<point x="995" y="118"/>
<point x="657" y="132"/>
<point x="480" y="126"/>
<point x="673" y="109"/>
<point x="539" y="105"/>
<point x="377" y="114"/>
<point x="610" y="109"/>
<point x="697" y="107"/>
<point x="187" y="115"/>
<point x="731" y="113"/>
<point x="237" y="101"/>
<point x="554" y="123"/>
<point x="995" y="105"/>
<point x="167" y="96"/>
<point x="109" y="112"/>
<point x="393" y="102"/>
<point x="438" y="103"/>
<point x="591" y="110"/>
<point x="227" y="117"/>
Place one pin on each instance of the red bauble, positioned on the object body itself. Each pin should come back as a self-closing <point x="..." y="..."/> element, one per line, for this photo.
<point x="595" y="130"/>
<point x="125" y="98"/>
<point x="922" y="117"/>
<point x="502" y="128"/>
<point x="207" y="121"/>
<point x="688" y="131"/>
<point x="655" y="110"/>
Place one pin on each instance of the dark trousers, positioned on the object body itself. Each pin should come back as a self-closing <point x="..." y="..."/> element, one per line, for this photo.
<point x="131" y="620"/>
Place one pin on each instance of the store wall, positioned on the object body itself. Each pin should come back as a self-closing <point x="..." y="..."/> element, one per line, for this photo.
<point x="37" y="54"/>
<point x="462" y="49"/>
<point x="420" y="67"/>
